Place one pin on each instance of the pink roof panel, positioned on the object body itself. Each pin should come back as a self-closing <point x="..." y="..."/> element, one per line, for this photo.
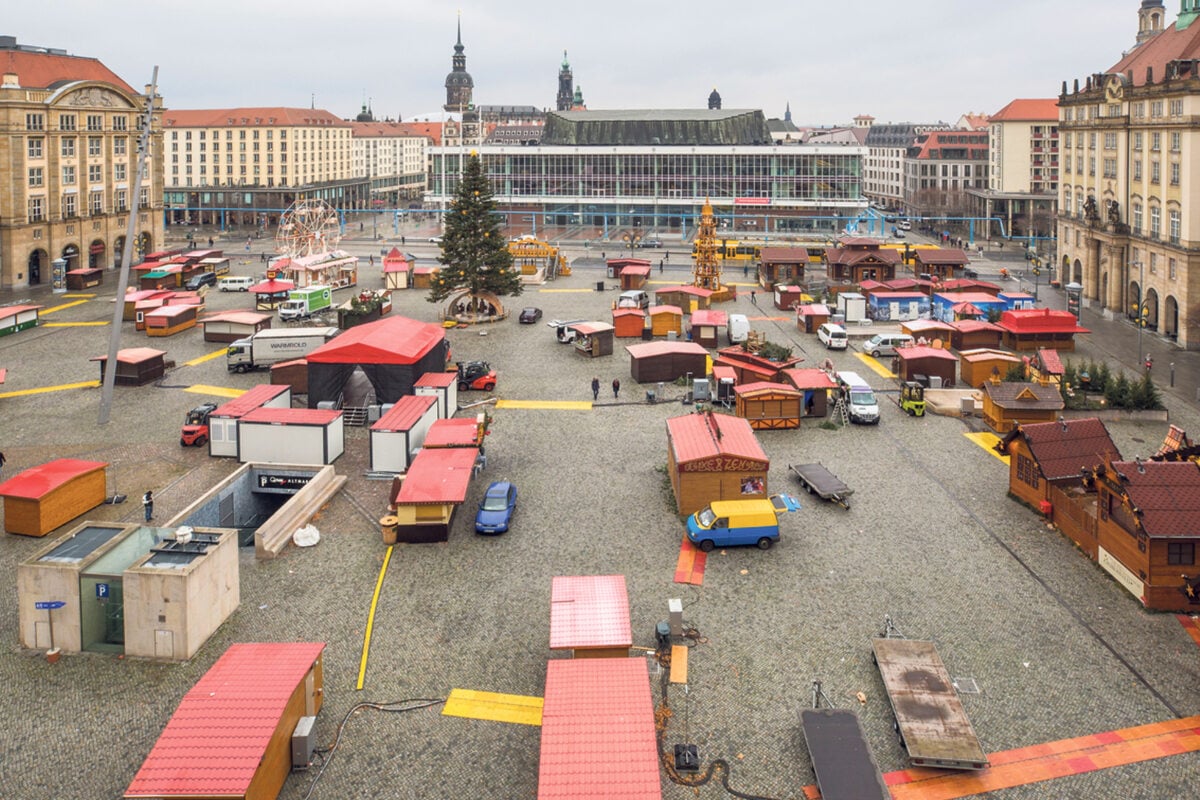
<point x="453" y="433"/>
<point x="809" y="378"/>
<point x="133" y="355"/>
<point x="438" y="476"/>
<point x="918" y="352"/>
<point x="237" y="317"/>
<point x="215" y="741"/>
<point x="12" y="311"/>
<point x="39" y="481"/>
<point x="272" y="287"/>
<point x="250" y="400"/>
<point x="292" y="416"/>
<point x="704" y="316"/>
<point x="598" y="711"/>
<point x="405" y="412"/>
<point x="589" y="611"/>
<point x="437" y="379"/>
<point x="699" y="436"/>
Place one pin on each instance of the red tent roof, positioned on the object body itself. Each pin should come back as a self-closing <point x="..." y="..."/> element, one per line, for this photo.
<point x="250" y="400"/>
<point x="214" y="743"/>
<point x="1051" y="363"/>
<point x="39" y="481"/>
<point x="438" y="475"/>
<point x="599" y="710"/>
<point x="589" y="611"/>
<point x="695" y="437"/>
<point x="395" y="340"/>
<point x="272" y="287"/>
<point x="405" y="412"/>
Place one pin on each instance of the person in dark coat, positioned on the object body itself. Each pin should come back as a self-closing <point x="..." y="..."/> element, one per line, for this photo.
<point x="595" y="388"/>
<point x="148" y="504"/>
<point x="616" y="387"/>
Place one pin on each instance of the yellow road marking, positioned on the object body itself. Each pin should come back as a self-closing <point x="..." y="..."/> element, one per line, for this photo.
<point x="219" y="391"/>
<point x="556" y="405"/>
<point x="46" y="311"/>
<point x="988" y="442"/>
<point x="495" y="707"/>
<point x="73" y="324"/>
<point x="875" y="365"/>
<point x="87" y="296"/>
<point x="362" y="665"/>
<point x="209" y="357"/>
<point x="45" y="389"/>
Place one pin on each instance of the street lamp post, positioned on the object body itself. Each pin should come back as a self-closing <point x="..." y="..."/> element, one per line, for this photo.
<point x="1141" y="304"/>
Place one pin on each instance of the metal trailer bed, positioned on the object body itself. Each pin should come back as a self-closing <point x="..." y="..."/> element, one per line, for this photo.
<point x="818" y="480"/>
<point x="845" y="767"/>
<point x="930" y="719"/>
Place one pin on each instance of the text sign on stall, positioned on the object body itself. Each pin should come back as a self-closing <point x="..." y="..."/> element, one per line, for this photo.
<point x="49" y="605"/>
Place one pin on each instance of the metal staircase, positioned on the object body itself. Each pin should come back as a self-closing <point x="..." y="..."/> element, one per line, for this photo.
<point x="357" y="415"/>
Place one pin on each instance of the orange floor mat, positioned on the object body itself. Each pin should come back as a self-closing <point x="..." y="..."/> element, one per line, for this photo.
<point x="1190" y="625"/>
<point x="690" y="567"/>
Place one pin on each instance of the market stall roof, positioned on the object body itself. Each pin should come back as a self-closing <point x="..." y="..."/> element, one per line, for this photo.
<point x="249" y="400"/>
<point x="943" y="255"/>
<point x="453" y="433"/>
<point x="628" y="262"/>
<point x="783" y="255"/>
<point x="438" y="476"/>
<point x="599" y="710"/>
<point x="591" y="328"/>
<point x="293" y="416"/>
<point x="12" y="311"/>
<point x="589" y="611"/>
<point x="405" y="412"/>
<point x="988" y="354"/>
<point x="1062" y="448"/>
<point x="961" y="284"/>
<point x="871" y="286"/>
<point x="706" y="316"/>
<point x="399" y="265"/>
<point x="972" y="325"/>
<point x="38" y="481"/>
<point x="1040" y="320"/>
<point x="695" y="437"/>
<point x="635" y="270"/>
<point x="171" y="311"/>
<point x="1051" y="362"/>
<point x="275" y="286"/>
<point x="133" y="355"/>
<point x="665" y="309"/>
<point x="395" y="340"/>
<point x="967" y="297"/>
<point x="1032" y="396"/>
<point x="924" y="325"/>
<point x="685" y="289"/>
<point x="84" y="271"/>
<point x="764" y="387"/>
<point x="813" y="310"/>
<point x="810" y="378"/>
<point x="628" y="312"/>
<point x="425" y="270"/>
<point x="146" y="294"/>
<point x="237" y="317"/>
<point x="1166" y="493"/>
<point x="214" y="743"/>
<point x="436" y="379"/>
<point x="651" y="349"/>
<point x="917" y="352"/>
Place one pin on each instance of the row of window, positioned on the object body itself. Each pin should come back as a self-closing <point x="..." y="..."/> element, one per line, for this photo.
<point x="70" y="122"/>
<point x="95" y="174"/>
<point x="1111" y="140"/>
<point x="283" y="134"/>
<point x="36" y="146"/>
<point x="1151" y="263"/>
<point x="1136" y="218"/>
<point x="69" y="207"/>
<point x="1174" y="109"/>
<point x="1110" y="169"/>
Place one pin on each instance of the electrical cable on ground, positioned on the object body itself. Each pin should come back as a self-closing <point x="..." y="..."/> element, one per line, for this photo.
<point x="326" y="753"/>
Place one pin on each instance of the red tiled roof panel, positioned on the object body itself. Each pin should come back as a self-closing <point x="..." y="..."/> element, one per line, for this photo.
<point x="1167" y="493"/>
<point x="598" y="711"/>
<point x="1169" y="45"/>
<point x="589" y="611"/>
<point x="694" y="437"/>
<point x="1051" y="362"/>
<point x="783" y="255"/>
<point x="809" y="378"/>
<point x="250" y="400"/>
<point x="271" y="116"/>
<point x="438" y="475"/>
<point x="635" y="270"/>
<point x="665" y="309"/>
<point x="237" y="317"/>
<point x="405" y="412"/>
<point x="765" y="387"/>
<point x="1024" y="396"/>
<point x="628" y="312"/>
<point x="215" y="741"/>
<point x="919" y="352"/>
<point x="436" y="379"/>
<point x="923" y="325"/>
<point x="38" y="481"/>
<point x="1062" y="449"/>
<point x="947" y="255"/>
<point x="1028" y="110"/>
<point x="704" y="316"/>
<point x="651" y="349"/>
<point x="46" y="71"/>
<point x="292" y="416"/>
<point x="592" y="328"/>
<point x="453" y="433"/>
<point x="972" y="325"/>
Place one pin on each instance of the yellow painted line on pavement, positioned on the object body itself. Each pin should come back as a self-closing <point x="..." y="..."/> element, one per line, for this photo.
<point x="362" y="664"/>
<point x="209" y="357"/>
<point x="87" y="296"/>
<point x="875" y="366"/>
<point x="74" y="324"/>
<point x="46" y="311"/>
<point x="494" y="707"/>
<point x="60" y="388"/>
<point x="219" y="391"/>
<point x="562" y="291"/>
<point x="988" y="442"/>
<point x="553" y="405"/>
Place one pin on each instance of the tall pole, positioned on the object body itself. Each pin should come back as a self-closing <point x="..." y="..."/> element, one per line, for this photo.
<point x="114" y="339"/>
<point x="1141" y="305"/>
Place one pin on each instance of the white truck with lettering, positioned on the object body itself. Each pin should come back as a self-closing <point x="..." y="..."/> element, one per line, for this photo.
<point x="273" y="345"/>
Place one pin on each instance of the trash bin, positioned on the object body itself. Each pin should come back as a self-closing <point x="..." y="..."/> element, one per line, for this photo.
<point x="387" y="526"/>
<point x="599" y="286"/>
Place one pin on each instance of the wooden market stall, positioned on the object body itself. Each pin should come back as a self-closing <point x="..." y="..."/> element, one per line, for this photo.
<point x="589" y="615"/>
<point x="705" y="327"/>
<point x="423" y="277"/>
<point x="781" y="265"/>
<point x="271" y="293"/>
<point x="981" y="365"/>
<point x="789" y="297"/>
<point x="229" y="326"/>
<point x="397" y="270"/>
<point x="616" y="267"/>
<point x="629" y="323"/>
<point x="769" y="406"/>
<point x="1009" y="404"/>
<point x="687" y="297"/>
<point x="593" y="339"/>
<point x="665" y="320"/>
<point x="231" y="736"/>
<point x="973" y="334"/>
<point x="42" y="498"/>
<point x="815" y="384"/>
<point x="1034" y="329"/>
<point x="18" y="318"/>
<point x="134" y="299"/>
<point x="653" y="362"/>
<point x="1046" y="367"/>
<point x="84" y="278"/>
<point x="136" y="366"/>
<point x="929" y="330"/>
<point x="811" y="316"/>
<point x="930" y="366"/>
<point x="400" y="433"/>
<point x="858" y="259"/>
<point x="751" y="367"/>
<point x="425" y="502"/>
<point x="724" y="381"/>
<point x="336" y="269"/>
<point x="170" y="320"/>
<point x="634" y="277"/>
<point x="714" y="457"/>
<point x="942" y="263"/>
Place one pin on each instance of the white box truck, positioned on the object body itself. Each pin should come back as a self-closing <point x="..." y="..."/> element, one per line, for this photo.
<point x="303" y="303"/>
<point x="273" y="345"/>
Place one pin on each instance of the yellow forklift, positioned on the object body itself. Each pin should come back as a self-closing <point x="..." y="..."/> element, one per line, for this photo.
<point x="912" y="398"/>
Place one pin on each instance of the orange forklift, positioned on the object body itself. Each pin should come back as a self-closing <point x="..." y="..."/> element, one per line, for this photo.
<point x="195" y="427"/>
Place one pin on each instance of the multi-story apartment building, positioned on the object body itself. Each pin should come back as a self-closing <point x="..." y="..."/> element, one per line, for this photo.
<point x="68" y="165"/>
<point x="940" y="167"/>
<point x="391" y="158"/>
<point x="1128" y="222"/>
<point x="1022" y="190"/>
<point x="242" y="165"/>
<point x="883" y="176"/>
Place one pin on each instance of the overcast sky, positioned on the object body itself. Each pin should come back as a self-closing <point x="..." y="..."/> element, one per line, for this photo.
<point x="921" y="61"/>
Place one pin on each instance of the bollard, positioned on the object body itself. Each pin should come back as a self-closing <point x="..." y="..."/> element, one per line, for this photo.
<point x="1172" y="374"/>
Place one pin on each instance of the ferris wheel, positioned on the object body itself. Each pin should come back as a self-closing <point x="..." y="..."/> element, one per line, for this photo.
<point x="308" y="227"/>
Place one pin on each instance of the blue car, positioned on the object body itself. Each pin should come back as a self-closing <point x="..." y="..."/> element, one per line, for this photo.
<point x="496" y="509"/>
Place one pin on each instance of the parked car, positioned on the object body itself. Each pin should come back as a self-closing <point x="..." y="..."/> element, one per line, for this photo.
<point x="650" y="243"/>
<point x="885" y="344"/>
<point x="905" y="225"/>
<point x="529" y="315"/>
<point x="496" y="508"/>
<point x="435" y="240"/>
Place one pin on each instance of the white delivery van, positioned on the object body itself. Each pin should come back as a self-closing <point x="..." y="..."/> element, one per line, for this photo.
<point x="861" y="405"/>
<point x="738" y="328"/>
<point x="234" y="283"/>
<point x="885" y="344"/>
<point x="833" y="336"/>
<point x="635" y="298"/>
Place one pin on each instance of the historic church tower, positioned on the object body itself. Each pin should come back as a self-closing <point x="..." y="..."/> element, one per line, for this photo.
<point x="459" y="87"/>
<point x="1151" y="17"/>
<point x="566" y="85"/>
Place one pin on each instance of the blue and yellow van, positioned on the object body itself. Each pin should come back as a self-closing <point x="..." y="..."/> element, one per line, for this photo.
<point x="728" y="523"/>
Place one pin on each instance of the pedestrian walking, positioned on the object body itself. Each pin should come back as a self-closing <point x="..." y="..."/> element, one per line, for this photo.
<point x="148" y="504"/>
<point x="262" y="257"/>
<point x="371" y="260"/>
<point x="210" y="241"/>
<point x="745" y="270"/>
<point x="667" y="255"/>
<point x="2" y="460"/>
<point x="595" y="388"/>
<point x="247" y="244"/>
<point x="753" y="297"/>
<point x="402" y="241"/>
<point x="660" y="266"/>
<point x="616" y="387"/>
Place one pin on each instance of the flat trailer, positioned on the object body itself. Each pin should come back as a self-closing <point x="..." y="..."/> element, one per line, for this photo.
<point x="845" y="767"/>
<point x="818" y="480"/>
<point x="930" y="719"/>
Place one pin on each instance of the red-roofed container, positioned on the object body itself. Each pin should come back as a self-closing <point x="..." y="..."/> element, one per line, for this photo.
<point x="45" y="497"/>
<point x="291" y="436"/>
<point x="223" y="421"/>
<point x="443" y="386"/>
<point x="400" y="432"/>
<point x="428" y="498"/>
<point x="170" y="320"/>
<point x="229" y="326"/>
<point x="18" y="318"/>
<point x="136" y="366"/>
<point x="589" y="615"/>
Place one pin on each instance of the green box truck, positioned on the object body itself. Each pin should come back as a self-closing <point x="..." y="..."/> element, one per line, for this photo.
<point x="303" y="303"/>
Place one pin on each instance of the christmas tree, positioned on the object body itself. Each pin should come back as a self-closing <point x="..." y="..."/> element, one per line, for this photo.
<point x="475" y="256"/>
